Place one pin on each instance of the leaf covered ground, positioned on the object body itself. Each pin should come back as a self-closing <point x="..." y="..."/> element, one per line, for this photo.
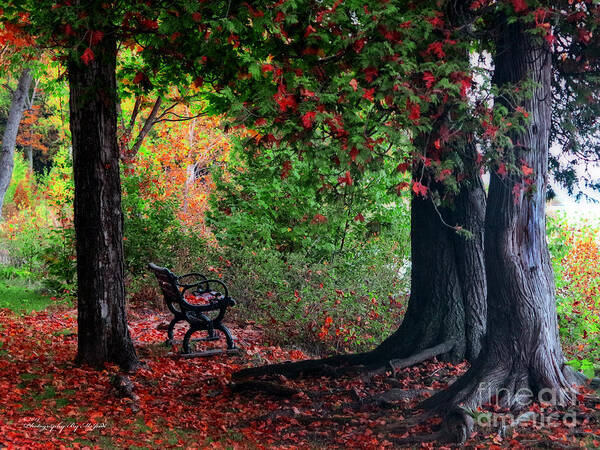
<point x="48" y="401"/>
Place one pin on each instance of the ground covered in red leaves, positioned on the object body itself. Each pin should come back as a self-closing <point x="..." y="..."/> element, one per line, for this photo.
<point x="48" y="401"/>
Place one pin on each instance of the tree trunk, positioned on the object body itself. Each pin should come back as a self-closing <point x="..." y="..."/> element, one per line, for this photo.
<point x="522" y="358"/>
<point x="7" y="151"/>
<point x="448" y="288"/>
<point x="103" y="335"/>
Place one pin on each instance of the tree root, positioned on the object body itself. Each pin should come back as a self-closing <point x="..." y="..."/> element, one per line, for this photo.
<point x="429" y="353"/>
<point x="333" y="366"/>
<point x="503" y="382"/>
<point x="340" y="364"/>
<point x="265" y="386"/>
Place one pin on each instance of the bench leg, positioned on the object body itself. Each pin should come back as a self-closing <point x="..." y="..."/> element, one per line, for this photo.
<point x="186" y="339"/>
<point x="170" y="330"/>
<point x="227" y="333"/>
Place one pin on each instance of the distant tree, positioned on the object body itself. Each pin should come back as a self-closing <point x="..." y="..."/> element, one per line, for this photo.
<point x="19" y="103"/>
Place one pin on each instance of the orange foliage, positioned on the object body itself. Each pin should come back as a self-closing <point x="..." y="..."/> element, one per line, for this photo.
<point x="28" y="135"/>
<point x="176" y="163"/>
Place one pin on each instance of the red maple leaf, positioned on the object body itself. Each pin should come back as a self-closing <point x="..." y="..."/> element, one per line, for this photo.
<point x="501" y="170"/>
<point x="526" y="170"/>
<point x="88" y="56"/>
<point x="519" y="5"/>
<point x="403" y="167"/>
<point x="359" y="218"/>
<point x="139" y="77"/>
<point x="401" y="187"/>
<point x="308" y="119"/>
<point x="419" y="189"/>
<point x="354" y="153"/>
<point x="96" y="37"/>
<point x="414" y="110"/>
<point x="436" y="49"/>
<point x="368" y="94"/>
<point x="346" y="179"/>
<point x="267" y="68"/>
<point x="429" y="79"/>
<point x="371" y="74"/>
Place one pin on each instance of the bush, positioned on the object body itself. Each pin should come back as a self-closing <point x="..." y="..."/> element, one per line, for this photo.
<point x="575" y="250"/>
<point x="279" y="201"/>
<point x="348" y="305"/>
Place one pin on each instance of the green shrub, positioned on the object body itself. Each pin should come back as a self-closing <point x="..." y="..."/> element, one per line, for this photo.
<point x="348" y="305"/>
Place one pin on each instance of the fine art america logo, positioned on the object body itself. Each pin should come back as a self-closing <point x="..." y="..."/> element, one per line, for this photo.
<point x="522" y="400"/>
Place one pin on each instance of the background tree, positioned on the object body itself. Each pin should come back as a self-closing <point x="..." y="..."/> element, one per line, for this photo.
<point x="18" y="104"/>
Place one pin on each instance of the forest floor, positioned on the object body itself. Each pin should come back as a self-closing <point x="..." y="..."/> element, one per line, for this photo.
<point x="48" y="401"/>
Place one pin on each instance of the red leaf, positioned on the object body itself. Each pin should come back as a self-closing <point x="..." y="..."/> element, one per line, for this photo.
<point x="285" y="169"/>
<point x="371" y="74"/>
<point x="419" y="189"/>
<point x="318" y="218"/>
<point x="346" y="179"/>
<point x="69" y="30"/>
<point x="139" y="77"/>
<point x="359" y="44"/>
<point x="359" y="218"/>
<point x="414" y="110"/>
<point x="88" y="55"/>
<point x="519" y="5"/>
<point x="149" y="24"/>
<point x="517" y="193"/>
<point x="436" y="49"/>
<point x="526" y="170"/>
<point x="368" y="94"/>
<point x="403" y="167"/>
<point x="96" y="37"/>
<point x="354" y="153"/>
<point x="354" y="84"/>
<point x="501" y="170"/>
<point x="429" y="79"/>
<point x="308" y="119"/>
<point x="401" y="187"/>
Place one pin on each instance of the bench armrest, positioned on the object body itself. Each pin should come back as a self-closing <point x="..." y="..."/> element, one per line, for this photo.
<point x="195" y="275"/>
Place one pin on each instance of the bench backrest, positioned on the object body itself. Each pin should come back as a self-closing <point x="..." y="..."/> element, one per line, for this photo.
<point x="168" y="285"/>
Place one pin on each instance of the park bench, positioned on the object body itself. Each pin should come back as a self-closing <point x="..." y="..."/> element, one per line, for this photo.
<point x="216" y="300"/>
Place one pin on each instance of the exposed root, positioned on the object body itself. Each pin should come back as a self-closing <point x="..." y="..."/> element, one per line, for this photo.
<point x="265" y="386"/>
<point x="341" y="364"/>
<point x="429" y="353"/>
<point x="394" y="396"/>
<point x="506" y="383"/>
<point x="334" y="365"/>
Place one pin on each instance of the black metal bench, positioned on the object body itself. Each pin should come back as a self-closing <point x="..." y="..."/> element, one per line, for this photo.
<point x="213" y="292"/>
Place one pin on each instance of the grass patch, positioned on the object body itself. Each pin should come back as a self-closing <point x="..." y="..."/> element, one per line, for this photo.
<point x="19" y="293"/>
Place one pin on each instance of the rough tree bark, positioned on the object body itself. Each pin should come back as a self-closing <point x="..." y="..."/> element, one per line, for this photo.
<point x="103" y="335"/>
<point x="18" y="105"/>
<point x="522" y="355"/>
<point x="448" y="285"/>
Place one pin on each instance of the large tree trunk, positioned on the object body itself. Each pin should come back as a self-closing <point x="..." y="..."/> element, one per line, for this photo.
<point x="448" y="285"/>
<point x="103" y="335"/>
<point x="522" y="356"/>
<point x="7" y="151"/>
